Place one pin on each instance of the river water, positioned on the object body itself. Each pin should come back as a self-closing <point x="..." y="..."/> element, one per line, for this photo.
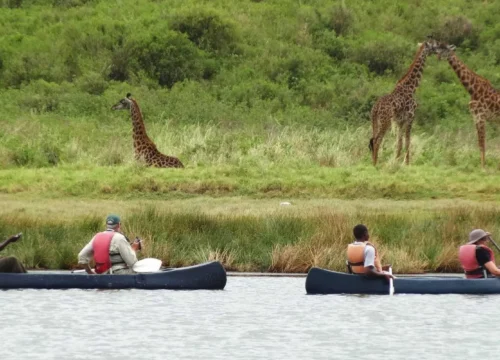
<point x="254" y="318"/>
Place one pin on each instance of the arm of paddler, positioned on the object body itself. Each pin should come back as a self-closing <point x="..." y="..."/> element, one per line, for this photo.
<point x="369" y="263"/>
<point x="14" y="238"/>
<point x="372" y="270"/>
<point x="492" y="268"/>
<point x="84" y="257"/>
<point x="127" y="253"/>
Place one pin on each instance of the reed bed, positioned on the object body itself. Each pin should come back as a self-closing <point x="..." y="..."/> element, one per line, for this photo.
<point x="416" y="241"/>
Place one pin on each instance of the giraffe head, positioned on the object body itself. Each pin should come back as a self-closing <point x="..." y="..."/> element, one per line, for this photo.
<point x="123" y="104"/>
<point x="430" y="46"/>
<point x="444" y="51"/>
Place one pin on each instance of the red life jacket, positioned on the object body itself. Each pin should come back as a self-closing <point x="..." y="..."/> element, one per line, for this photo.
<point x="467" y="257"/>
<point x="100" y="245"/>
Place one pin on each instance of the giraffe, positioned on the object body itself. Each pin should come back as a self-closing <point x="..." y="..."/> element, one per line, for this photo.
<point x="485" y="99"/>
<point x="399" y="106"/>
<point x="144" y="148"/>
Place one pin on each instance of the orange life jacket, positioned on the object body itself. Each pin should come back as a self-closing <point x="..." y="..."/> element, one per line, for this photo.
<point x="356" y="257"/>
<point x="467" y="257"/>
<point x="100" y="245"/>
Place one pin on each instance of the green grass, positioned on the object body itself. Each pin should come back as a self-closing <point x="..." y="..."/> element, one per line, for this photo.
<point x="263" y="101"/>
<point x="391" y="181"/>
<point x="250" y="235"/>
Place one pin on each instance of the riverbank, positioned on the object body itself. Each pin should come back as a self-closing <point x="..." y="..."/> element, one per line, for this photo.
<point x="250" y="234"/>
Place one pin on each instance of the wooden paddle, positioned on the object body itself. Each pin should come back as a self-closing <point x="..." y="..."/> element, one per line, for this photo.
<point x="494" y="243"/>
<point x="147" y="265"/>
<point x="142" y="266"/>
<point x="391" y="283"/>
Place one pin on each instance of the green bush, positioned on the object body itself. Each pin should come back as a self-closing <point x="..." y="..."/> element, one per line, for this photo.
<point x="208" y="30"/>
<point x="340" y="20"/>
<point x="381" y="53"/>
<point x="458" y="31"/>
<point x="169" y="57"/>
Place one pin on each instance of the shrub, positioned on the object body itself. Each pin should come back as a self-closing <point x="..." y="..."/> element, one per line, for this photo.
<point x="169" y="57"/>
<point x="458" y="31"/>
<point x="41" y="96"/>
<point x="334" y="46"/>
<point x="382" y="54"/>
<point x="208" y="30"/>
<point x="340" y="20"/>
<point x="92" y="83"/>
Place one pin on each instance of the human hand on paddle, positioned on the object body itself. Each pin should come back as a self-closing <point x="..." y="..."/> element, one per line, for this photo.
<point x="14" y="238"/>
<point x="137" y="244"/>
<point x="388" y="275"/>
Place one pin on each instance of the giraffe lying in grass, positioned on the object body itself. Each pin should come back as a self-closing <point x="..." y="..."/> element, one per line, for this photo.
<point x="144" y="147"/>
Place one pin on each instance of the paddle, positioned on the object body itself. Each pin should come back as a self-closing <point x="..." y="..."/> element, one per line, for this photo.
<point x="494" y="243"/>
<point x="147" y="265"/>
<point x="142" y="266"/>
<point x="391" y="283"/>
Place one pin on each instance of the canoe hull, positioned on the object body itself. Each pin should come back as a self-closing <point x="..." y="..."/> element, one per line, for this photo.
<point x="321" y="281"/>
<point x="207" y="276"/>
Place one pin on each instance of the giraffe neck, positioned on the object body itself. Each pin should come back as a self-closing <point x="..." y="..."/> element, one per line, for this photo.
<point x="469" y="79"/>
<point x="411" y="80"/>
<point x="139" y="130"/>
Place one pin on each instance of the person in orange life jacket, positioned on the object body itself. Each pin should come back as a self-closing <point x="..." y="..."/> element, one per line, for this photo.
<point x="362" y="257"/>
<point x="478" y="260"/>
<point x="111" y="250"/>
<point x="11" y="264"/>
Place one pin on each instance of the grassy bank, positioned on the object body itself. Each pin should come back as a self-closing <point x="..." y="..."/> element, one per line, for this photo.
<point x="132" y="182"/>
<point x="252" y="235"/>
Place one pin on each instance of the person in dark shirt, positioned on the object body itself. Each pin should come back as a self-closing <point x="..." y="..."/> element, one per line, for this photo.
<point x="477" y="259"/>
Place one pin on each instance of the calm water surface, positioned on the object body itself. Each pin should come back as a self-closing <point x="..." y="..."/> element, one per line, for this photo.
<point x="254" y="318"/>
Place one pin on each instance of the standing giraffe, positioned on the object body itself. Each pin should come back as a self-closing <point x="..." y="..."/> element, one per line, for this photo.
<point x="399" y="106"/>
<point x="485" y="99"/>
<point x="144" y="148"/>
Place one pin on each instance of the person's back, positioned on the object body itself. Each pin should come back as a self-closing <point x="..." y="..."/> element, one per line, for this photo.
<point x="362" y="257"/>
<point x="477" y="259"/>
<point x="111" y="251"/>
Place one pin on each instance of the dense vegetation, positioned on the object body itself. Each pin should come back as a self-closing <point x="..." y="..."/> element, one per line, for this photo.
<point x="259" y="99"/>
<point x="233" y="81"/>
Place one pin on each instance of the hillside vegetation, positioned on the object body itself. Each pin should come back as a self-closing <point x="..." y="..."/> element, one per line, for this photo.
<point x="263" y="101"/>
<point x="246" y="84"/>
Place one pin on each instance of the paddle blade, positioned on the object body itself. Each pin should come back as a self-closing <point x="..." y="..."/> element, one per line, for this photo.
<point x="391" y="283"/>
<point x="147" y="265"/>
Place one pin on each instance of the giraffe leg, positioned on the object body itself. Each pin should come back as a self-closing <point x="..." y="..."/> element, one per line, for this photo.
<point x="377" y="139"/>
<point x="399" y="142"/>
<point x="407" y="142"/>
<point x="479" y="119"/>
<point x="480" y="127"/>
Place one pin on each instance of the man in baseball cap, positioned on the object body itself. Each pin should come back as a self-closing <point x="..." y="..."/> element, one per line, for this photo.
<point x="477" y="259"/>
<point x="110" y="250"/>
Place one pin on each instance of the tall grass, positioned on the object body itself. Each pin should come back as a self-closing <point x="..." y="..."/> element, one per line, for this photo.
<point x="414" y="241"/>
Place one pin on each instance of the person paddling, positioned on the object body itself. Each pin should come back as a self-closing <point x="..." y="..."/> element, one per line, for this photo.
<point x="111" y="250"/>
<point x="362" y="256"/>
<point x="11" y="264"/>
<point x="477" y="259"/>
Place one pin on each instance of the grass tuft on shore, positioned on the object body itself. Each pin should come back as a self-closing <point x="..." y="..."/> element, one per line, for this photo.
<point x="420" y="239"/>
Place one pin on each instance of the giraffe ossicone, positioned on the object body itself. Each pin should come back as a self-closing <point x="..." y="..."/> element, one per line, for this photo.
<point x="144" y="147"/>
